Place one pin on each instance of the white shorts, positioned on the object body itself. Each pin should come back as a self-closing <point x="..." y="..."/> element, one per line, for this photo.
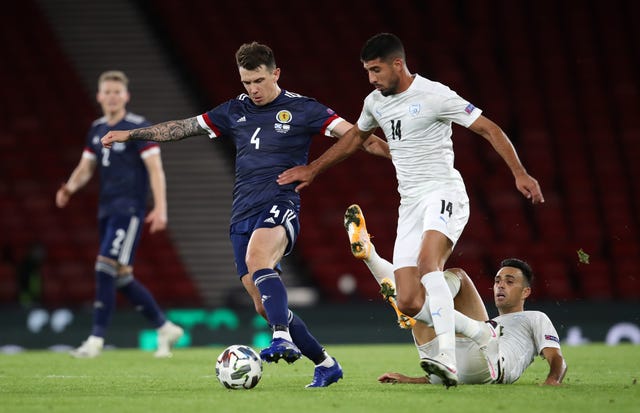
<point x="472" y="367"/>
<point x="445" y="212"/>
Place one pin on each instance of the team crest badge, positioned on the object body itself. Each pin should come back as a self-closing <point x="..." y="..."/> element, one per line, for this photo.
<point x="284" y="116"/>
<point x="414" y="109"/>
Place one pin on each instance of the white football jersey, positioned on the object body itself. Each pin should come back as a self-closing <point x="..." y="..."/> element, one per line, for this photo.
<point x="525" y="334"/>
<point x="417" y="125"/>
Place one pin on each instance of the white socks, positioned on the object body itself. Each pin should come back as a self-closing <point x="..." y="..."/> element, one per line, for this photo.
<point x="379" y="267"/>
<point x="327" y="362"/>
<point x="439" y="308"/>
<point x="441" y="288"/>
<point x="468" y="327"/>
<point x="283" y="334"/>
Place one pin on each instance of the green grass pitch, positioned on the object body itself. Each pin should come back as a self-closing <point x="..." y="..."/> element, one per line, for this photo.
<point x="599" y="379"/>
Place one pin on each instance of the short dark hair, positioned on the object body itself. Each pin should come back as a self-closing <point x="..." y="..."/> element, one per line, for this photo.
<point x="252" y="55"/>
<point x="384" y="46"/>
<point x="522" y="266"/>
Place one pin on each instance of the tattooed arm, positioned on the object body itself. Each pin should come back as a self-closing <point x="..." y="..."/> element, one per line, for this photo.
<point x="172" y="130"/>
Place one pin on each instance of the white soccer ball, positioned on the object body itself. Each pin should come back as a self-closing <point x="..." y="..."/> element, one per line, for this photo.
<point x="239" y="367"/>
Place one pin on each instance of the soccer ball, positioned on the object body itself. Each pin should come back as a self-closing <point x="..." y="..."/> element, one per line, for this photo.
<point x="239" y="367"/>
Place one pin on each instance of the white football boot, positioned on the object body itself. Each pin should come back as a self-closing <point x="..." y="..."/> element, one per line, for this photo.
<point x="490" y="350"/>
<point x="168" y="336"/>
<point x="89" y="349"/>
<point x="441" y="366"/>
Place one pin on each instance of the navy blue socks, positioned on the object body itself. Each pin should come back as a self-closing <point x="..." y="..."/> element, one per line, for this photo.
<point x="141" y="299"/>
<point x="274" y="297"/>
<point x="105" y="298"/>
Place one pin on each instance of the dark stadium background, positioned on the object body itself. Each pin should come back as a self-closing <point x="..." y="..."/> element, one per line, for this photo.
<point x="561" y="78"/>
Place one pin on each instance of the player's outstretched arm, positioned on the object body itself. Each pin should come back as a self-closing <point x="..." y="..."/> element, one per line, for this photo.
<point x="401" y="378"/>
<point x="373" y="145"/>
<point x="525" y="183"/>
<point x="557" y="366"/>
<point x="173" y="130"/>
<point x="341" y="150"/>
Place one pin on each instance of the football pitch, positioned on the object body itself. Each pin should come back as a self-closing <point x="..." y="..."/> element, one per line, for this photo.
<point x="599" y="379"/>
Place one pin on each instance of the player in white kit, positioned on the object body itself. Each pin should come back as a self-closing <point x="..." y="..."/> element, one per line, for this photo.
<point x="525" y="334"/>
<point x="416" y="115"/>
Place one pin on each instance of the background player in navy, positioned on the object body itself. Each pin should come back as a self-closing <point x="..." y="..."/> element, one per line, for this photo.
<point x="126" y="170"/>
<point x="271" y="129"/>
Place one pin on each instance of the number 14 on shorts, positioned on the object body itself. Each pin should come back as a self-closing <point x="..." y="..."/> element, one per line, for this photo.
<point x="446" y="207"/>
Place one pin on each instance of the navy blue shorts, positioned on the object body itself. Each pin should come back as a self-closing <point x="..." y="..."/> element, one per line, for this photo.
<point x="280" y="213"/>
<point x="119" y="237"/>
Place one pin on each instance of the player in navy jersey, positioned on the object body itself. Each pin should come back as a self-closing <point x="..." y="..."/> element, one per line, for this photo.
<point x="272" y="130"/>
<point x="126" y="172"/>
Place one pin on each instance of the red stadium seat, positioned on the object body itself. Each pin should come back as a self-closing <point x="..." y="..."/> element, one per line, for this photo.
<point x="572" y="115"/>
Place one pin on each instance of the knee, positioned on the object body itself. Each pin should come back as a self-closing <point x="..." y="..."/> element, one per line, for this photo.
<point x="107" y="260"/>
<point x="251" y="264"/>
<point x="106" y="266"/>
<point x="409" y="305"/>
<point x="456" y="279"/>
<point x="125" y="276"/>
<point x="461" y="275"/>
<point x="255" y="262"/>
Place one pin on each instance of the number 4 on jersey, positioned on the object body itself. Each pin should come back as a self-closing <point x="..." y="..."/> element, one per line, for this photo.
<point x="255" y="140"/>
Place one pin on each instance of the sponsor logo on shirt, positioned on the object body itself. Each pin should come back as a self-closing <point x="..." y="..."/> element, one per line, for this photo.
<point x="549" y="337"/>
<point x="469" y="108"/>
<point x="280" y="128"/>
<point x="118" y="146"/>
<point x="242" y="119"/>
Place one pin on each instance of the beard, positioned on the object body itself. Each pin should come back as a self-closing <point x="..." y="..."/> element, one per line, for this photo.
<point x="392" y="89"/>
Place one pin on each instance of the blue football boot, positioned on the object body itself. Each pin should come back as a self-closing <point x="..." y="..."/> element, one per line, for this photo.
<point x="280" y="349"/>
<point x="324" y="376"/>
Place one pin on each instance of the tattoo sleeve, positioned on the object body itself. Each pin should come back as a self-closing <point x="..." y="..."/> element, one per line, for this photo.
<point x="173" y="130"/>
